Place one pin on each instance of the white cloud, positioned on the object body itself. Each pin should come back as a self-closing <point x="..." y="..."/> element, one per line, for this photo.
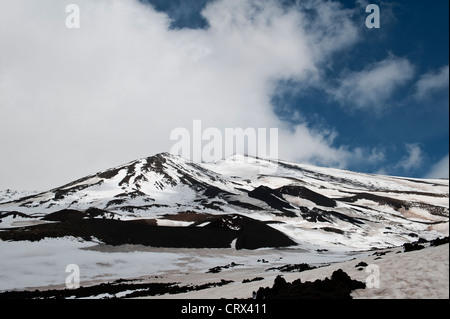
<point x="76" y="101"/>
<point x="413" y="159"/>
<point x="374" y="85"/>
<point x="440" y="169"/>
<point x="432" y="82"/>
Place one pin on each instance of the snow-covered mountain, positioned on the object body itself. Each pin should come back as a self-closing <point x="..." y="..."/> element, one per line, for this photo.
<point x="8" y="195"/>
<point x="311" y="206"/>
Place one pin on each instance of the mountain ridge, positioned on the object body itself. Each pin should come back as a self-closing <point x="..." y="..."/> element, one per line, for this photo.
<point x="308" y="204"/>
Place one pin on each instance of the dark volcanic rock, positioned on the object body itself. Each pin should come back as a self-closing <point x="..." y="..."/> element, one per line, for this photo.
<point x="412" y="246"/>
<point x="333" y="230"/>
<point x="219" y="233"/>
<point x="338" y="287"/>
<point x="319" y="215"/>
<point x="212" y="192"/>
<point x="422" y="243"/>
<point x="306" y="193"/>
<point x="251" y="280"/>
<point x="273" y="198"/>
<point x="72" y="215"/>
<point x="128" y="290"/>
<point x="218" y="269"/>
<point x="439" y="241"/>
<point x="14" y="215"/>
<point x="382" y="200"/>
<point x="65" y="215"/>
<point x="245" y="205"/>
<point x="361" y="264"/>
<point x="293" y="268"/>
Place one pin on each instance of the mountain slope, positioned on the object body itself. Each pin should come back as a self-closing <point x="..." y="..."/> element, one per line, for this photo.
<point x="313" y="206"/>
<point x="8" y="195"/>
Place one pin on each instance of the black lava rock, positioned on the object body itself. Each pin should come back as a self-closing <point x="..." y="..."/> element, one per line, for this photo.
<point x="338" y="287"/>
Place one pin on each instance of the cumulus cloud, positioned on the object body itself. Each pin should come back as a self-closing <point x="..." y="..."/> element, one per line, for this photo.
<point x="74" y="101"/>
<point x="440" y="169"/>
<point x="373" y="86"/>
<point x="432" y="82"/>
<point x="413" y="159"/>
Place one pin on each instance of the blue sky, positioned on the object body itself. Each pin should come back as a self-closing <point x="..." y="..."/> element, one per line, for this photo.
<point x="416" y="31"/>
<point x="75" y="101"/>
